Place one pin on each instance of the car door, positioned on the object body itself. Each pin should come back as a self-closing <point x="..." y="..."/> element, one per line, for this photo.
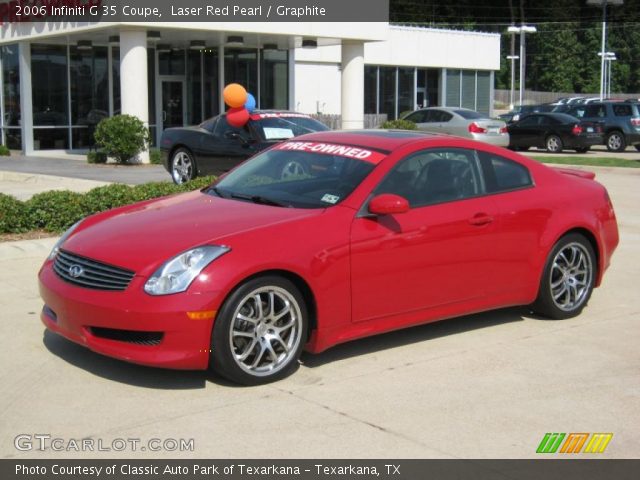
<point x="224" y="147"/>
<point x="440" y="252"/>
<point x="429" y="121"/>
<point x="525" y="131"/>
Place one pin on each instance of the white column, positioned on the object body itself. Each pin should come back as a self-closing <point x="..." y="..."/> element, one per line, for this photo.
<point x="134" y="83"/>
<point x="221" y="105"/>
<point x="26" y="100"/>
<point x="352" y="101"/>
<point x="292" y="79"/>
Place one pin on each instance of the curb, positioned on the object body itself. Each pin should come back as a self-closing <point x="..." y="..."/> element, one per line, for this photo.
<point x="26" y="248"/>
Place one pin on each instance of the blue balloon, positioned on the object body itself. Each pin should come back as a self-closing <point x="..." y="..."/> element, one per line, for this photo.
<point x="250" y="104"/>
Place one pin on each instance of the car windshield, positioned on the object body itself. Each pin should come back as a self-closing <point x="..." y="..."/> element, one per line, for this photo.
<point x="299" y="174"/>
<point x="470" y="114"/>
<point x="285" y="126"/>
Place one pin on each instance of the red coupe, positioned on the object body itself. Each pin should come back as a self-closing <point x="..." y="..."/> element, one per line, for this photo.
<point x="323" y="239"/>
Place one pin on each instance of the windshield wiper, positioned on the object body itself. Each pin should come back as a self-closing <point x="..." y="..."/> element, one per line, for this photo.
<point x="259" y="199"/>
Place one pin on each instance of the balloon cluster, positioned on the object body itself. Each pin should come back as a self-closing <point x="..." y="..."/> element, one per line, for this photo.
<point x="240" y="102"/>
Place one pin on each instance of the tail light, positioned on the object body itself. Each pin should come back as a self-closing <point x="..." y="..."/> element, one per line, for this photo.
<point x="635" y="122"/>
<point x="576" y="130"/>
<point x="475" y="128"/>
<point x="504" y="130"/>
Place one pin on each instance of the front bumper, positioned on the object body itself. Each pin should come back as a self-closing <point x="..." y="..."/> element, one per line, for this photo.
<point x="82" y="315"/>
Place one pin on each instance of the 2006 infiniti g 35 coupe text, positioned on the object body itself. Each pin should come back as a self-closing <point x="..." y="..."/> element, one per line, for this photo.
<point x="326" y="238"/>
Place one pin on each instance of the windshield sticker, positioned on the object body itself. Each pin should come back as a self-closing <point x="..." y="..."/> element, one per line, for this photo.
<point x="260" y="116"/>
<point x="271" y="133"/>
<point x="328" y="198"/>
<point x="332" y="149"/>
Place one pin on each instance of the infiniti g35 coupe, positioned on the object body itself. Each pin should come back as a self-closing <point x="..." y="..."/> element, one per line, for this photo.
<point x="215" y="146"/>
<point x="323" y="239"/>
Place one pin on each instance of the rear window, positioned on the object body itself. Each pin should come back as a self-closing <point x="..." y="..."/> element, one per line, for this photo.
<point x="470" y="114"/>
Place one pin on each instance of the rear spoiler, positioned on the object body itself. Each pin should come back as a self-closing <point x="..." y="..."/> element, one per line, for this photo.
<point x="576" y="173"/>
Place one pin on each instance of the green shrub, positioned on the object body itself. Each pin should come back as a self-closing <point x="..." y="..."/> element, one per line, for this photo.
<point x="105" y="198"/>
<point x="148" y="191"/>
<point x="13" y="217"/>
<point x="155" y="157"/>
<point x="54" y="211"/>
<point x="96" y="157"/>
<point x="4" y="151"/>
<point x="399" y="125"/>
<point x="122" y="137"/>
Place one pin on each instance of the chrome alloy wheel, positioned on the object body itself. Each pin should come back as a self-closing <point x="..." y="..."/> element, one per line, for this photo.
<point x="554" y="144"/>
<point x="571" y="276"/>
<point x="614" y="142"/>
<point x="266" y="331"/>
<point x="182" y="167"/>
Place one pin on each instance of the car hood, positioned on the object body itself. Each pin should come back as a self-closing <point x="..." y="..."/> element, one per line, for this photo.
<point x="145" y="235"/>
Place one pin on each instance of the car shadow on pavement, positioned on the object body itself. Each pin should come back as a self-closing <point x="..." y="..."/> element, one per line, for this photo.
<point x="420" y="333"/>
<point x="123" y="372"/>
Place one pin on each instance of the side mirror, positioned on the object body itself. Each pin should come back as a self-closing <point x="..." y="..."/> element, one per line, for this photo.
<point x="388" y="204"/>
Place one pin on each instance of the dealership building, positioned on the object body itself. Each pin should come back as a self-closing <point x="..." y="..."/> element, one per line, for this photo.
<point x="59" y="79"/>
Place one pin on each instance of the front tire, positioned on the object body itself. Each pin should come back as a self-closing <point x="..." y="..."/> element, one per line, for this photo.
<point x="553" y="144"/>
<point x="568" y="278"/>
<point x="183" y="166"/>
<point x="260" y="331"/>
<point x="616" y="142"/>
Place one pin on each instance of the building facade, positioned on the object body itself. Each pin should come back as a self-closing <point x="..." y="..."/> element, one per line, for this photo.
<point x="58" y="80"/>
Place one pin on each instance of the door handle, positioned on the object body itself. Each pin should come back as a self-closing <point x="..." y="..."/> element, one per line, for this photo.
<point x="164" y="115"/>
<point x="480" y="219"/>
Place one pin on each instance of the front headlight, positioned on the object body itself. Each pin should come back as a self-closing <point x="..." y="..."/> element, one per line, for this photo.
<point x="62" y="239"/>
<point x="175" y="275"/>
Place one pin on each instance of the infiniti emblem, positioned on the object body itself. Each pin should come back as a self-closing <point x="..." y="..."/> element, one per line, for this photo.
<point x="75" y="271"/>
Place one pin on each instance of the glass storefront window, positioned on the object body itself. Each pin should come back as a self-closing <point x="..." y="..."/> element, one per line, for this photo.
<point x="49" y="85"/>
<point x="115" y="79"/>
<point x="194" y="87"/>
<point x="13" y="138"/>
<point x="11" y="85"/>
<point x="210" y="80"/>
<point x="274" y="74"/>
<point x="50" y="138"/>
<point x="406" y="93"/>
<point x="387" y="101"/>
<point x="89" y="82"/>
<point x="370" y="89"/>
<point x="171" y="62"/>
<point x="241" y="66"/>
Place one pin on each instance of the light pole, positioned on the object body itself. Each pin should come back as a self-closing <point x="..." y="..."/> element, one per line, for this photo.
<point x="513" y="59"/>
<point x="603" y="50"/>
<point x="608" y="57"/>
<point x="522" y="30"/>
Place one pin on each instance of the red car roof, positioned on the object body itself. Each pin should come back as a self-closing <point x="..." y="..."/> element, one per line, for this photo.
<point x="386" y="140"/>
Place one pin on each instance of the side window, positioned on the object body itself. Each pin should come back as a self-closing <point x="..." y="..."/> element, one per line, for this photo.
<point x="501" y="174"/>
<point x="209" y="125"/>
<point x="595" y="111"/>
<point x="434" y="176"/>
<point x="577" y="112"/>
<point x="416" y="117"/>
<point x="222" y="127"/>
<point x="622" y="110"/>
<point x="445" y="116"/>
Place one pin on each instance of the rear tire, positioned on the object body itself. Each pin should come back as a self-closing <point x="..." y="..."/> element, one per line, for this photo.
<point x="568" y="278"/>
<point x="553" y="144"/>
<point x="616" y="141"/>
<point x="260" y="331"/>
<point x="183" y="166"/>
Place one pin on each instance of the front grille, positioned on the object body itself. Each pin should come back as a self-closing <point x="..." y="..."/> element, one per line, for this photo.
<point x="129" y="336"/>
<point x="90" y="273"/>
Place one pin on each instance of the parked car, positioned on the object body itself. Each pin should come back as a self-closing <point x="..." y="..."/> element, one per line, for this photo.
<point x="214" y="146"/>
<point x="461" y="122"/>
<point x="519" y="111"/>
<point x="380" y="230"/>
<point x="621" y="122"/>
<point x="568" y="100"/>
<point x="555" y="132"/>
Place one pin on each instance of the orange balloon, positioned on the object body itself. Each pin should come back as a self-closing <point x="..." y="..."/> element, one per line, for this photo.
<point x="234" y="95"/>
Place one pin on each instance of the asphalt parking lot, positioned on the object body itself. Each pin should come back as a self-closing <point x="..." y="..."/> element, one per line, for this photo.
<point x="482" y="386"/>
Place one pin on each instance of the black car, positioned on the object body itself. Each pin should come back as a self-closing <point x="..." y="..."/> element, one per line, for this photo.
<point x="555" y="132"/>
<point x="522" y="110"/>
<point x="214" y="146"/>
<point x="620" y="120"/>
